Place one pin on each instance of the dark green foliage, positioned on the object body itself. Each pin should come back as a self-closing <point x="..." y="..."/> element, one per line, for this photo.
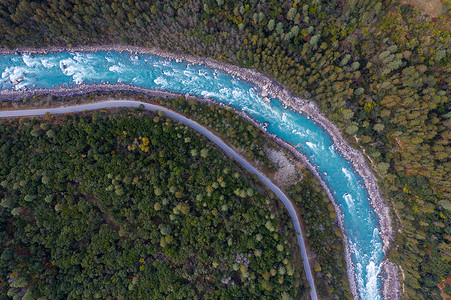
<point x="324" y="238"/>
<point x="327" y="248"/>
<point x="322" y="232"/>
<point x="98" y="227"/>
<point x="224" y="121"/>
<point x="384" y="62"/>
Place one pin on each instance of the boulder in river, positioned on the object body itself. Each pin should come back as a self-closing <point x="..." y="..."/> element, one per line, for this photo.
<point x="17" y="81"/>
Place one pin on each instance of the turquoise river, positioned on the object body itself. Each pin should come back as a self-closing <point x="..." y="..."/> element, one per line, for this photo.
<point x="19" y="71"/>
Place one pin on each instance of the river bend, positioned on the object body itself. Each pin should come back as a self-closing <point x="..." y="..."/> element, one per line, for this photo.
<point x="358" y="217"/>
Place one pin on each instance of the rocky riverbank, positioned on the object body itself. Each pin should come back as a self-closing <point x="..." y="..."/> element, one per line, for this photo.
<point x="268" y="87"/>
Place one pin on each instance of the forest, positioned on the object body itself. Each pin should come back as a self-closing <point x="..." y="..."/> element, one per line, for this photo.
<point x="319" y="219"/>
<point x="323" y="235"/>
<point x="379" y="69"/>
<point x="141" y="204"/>
<point x="137" y="205"/>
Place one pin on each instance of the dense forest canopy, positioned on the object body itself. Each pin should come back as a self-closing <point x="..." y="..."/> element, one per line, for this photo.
<point x="58" y="199"/>
<point x="325" y="240"/>
<point x="379" y="69"/>
<point x="135" y="205"/>
<point x="324" y="237"/>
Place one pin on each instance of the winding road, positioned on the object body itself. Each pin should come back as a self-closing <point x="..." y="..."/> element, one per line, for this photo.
<point x="201" y="129"/>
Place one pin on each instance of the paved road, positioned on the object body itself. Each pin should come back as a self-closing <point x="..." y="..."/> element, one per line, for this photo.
<point x="196" y="126"/>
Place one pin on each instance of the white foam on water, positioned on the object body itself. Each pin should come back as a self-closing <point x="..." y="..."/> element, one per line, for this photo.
<point x="349" y="201"/>
<point x="305" y="133"/>
<point x="109" y="59"/>
<point x="347" y="173"/>
<point x="309" y="132"/>
<point x="368" y="283"/>
<point x="332" y="151"/>
<point x="86" y="58"/>
<point x="30" y="61"/>
<point x="184" y="83"/>
<point x="252" y="95"/>
<point x="22" y="84"/>
<point x="237" y="93"/>
<point x="204" y="74"/>
<point x="297" y="132"/>
<point x="65" y="66"/>
<point x="360" y="280"/>
<point x="164" y="63"/>
<point x="79" y="57"/>
<point x="207" y="94"/>
<point x="312" y="146"/>
<point x="184" y="79"/>
<point x="225" y="92"/>
<point x="373" y="270"/>
<point x="375" y="236"/>
<point x="117" y="68"/>
<point x="270" y="114"/>
<point x="249" y="110"/>
<point x="359" y="268"/>
<point x="371" y="288"/>
<point x="78" y="71"/>
<point x="189" y="74"/>
<point x="168" y="73"/>
<point x="48" y="62"/>
<point x="284" y="117"/>
<point x="318" y="147"/>
<point x="7" y="72"/>
<point x="14" y="73"/>
<point x="161" y="81"/>
<point x="156" y="65"/>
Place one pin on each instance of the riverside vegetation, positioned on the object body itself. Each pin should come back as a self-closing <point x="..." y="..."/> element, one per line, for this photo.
<point x="150" y="225"/>
<point x="100" y="205"/>
<point x="378" y="69"/>
<point x="318" y="214"/>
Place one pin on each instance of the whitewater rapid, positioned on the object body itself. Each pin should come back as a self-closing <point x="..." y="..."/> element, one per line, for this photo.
<point x="66" y="69"/>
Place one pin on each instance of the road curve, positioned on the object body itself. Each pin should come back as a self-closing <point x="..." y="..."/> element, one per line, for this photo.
<point x="201" y="129"/>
